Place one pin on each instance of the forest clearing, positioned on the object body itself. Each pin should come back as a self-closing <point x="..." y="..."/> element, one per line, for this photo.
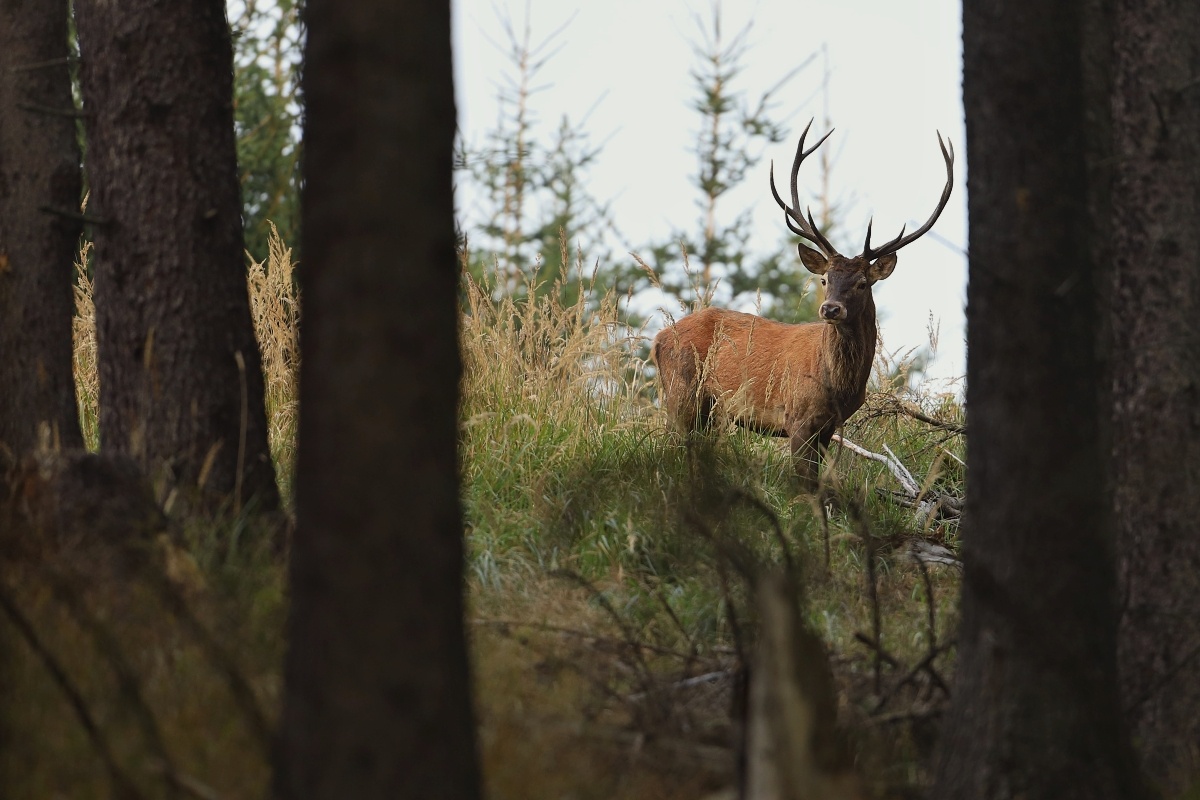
<point x="342" y="455"/>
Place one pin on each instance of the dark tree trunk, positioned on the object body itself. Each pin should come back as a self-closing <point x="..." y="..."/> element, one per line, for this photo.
<point x="377" y="700"/>
<point x="39" y="169"/>
<point x="1156" y="372"/>
<point x="1035" y="711"/>
<point x="181" y="379"/>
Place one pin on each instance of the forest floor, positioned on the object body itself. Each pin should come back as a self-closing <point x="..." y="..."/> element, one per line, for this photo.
<point x="607" y="572"/>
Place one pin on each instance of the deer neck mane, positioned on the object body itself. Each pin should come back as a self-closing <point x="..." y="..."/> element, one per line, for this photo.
<point x="848" y="350"/>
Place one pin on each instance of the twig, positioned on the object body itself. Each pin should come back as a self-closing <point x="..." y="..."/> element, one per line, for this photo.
<point x="128" y="682"/>
<point x="735" y="626"/>
<point x="876" y="617"/>
<point x="825" y="533"/>
<point x="693" y="653"/>
<point x="924" y="665"/>
<point x="577" y="634"/>
<point x="688" y="683"/>
<point x="243" y="424"/>
<point x="732" y="551"/>
<point x="912" y="715"/>
<point x="918" y="415"/>
<point x="36" y="65"/>
<point x="1165" y="679"/>
<point x="772" y="517"/>
<point x="877" y="649"/>
<point x="872" y="593"/>
<point x="642" y="671"/>
<point x="123" y="786"/>
<point x="74" y="216"/>
<point x="51" y="111"/>
<point x="929" y="602"/>
<point x="235" y="681"/>
<point x="961" y="463"/>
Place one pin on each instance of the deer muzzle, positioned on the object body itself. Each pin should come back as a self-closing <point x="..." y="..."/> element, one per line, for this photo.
<point x="833" y="313"/>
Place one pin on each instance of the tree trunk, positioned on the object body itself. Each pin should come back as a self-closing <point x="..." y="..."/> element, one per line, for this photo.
<point x="376" y="699"/>
<point x="39" y="170"/>
<point x="181" y="384"/>
<point x="1035" y="711"/>
<point x="1156" y="379"/>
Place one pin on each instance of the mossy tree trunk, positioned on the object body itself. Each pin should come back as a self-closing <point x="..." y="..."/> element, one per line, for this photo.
<point x="377" y="694"/>
<point x="181" y="384"/>
<point x="39" y="170"/>
<point x="1156" y="371"/>
<point x="1035" y="712"/>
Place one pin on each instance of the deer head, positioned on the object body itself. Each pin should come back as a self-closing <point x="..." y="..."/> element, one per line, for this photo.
<point x="848" y="281"/>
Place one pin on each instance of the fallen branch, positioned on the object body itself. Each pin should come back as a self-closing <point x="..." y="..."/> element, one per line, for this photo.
<point x="927" y="552"/>
<point x="590" y="636"/>
<point x="928" y="504"/>
<point x="688" y="683"/>
<point x="944" y="505"/>
<point x="897" y="469"/>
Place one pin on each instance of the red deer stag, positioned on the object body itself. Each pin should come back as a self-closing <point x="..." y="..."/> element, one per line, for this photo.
<point x="800" y="381"/>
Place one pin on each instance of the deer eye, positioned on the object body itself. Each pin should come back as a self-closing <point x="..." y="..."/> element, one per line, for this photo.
<point x="862" y="284"/>
<point x="822" y="281"/>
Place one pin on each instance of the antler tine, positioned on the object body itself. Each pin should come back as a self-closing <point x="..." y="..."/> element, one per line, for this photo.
<point x="901" y="240"/>
<point x="792" y="226"/>
<point x="796" y="222"/>
<point x="867" y="244"/>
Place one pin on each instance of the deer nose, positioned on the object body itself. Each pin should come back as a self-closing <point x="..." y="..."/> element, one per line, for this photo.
<point x="833" y="311"/>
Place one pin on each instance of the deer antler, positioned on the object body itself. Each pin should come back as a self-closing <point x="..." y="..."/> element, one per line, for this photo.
<point x="902" y="240"/>
<point x="796" y="221"/>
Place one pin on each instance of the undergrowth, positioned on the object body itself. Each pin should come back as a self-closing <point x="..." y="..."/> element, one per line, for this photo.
<point x="607" y="611"/>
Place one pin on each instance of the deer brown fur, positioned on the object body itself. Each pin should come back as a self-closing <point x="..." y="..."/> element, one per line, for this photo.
<point x="801" y="381"/>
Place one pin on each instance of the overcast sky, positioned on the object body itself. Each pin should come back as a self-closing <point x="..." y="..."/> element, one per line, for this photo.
<point x="895" y="79"/>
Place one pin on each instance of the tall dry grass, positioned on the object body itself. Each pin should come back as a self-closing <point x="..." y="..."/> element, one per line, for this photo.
<point x="275" y="311"/>
<point x="86" y="367"/>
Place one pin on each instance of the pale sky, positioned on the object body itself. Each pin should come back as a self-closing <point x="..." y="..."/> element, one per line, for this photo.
<point x="896" y="68"/>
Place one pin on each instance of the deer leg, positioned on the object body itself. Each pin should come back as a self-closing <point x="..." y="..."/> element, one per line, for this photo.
<point x="806" y="455"/>
<point x="704" y="413"/>
<point x="823" y="440"/>
<point x="690" y="414"/>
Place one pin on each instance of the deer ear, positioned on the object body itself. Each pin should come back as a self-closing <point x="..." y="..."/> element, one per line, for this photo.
<point x="882" y="267"/>
<point x="814" y="262"/>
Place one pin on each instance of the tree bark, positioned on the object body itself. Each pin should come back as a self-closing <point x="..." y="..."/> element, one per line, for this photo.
<point x="377" y="699"/>
<point x="1156" y="379"/>
<point x="181" y="382"/>
<point x="39" y="170"/>
<point x="1035" y="711"/>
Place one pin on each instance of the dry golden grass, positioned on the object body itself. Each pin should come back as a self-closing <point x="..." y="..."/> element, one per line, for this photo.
<point x="87" y="374"/>
<point x="275" y="309"/>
